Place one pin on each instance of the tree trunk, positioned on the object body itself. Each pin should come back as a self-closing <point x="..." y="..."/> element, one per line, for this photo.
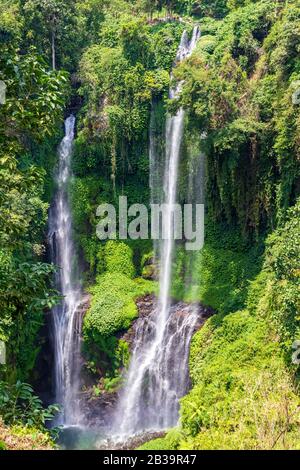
<point x="53" y="50"/>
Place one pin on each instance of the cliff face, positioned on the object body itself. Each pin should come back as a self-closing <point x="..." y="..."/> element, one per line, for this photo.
<point x="240" y="95"/>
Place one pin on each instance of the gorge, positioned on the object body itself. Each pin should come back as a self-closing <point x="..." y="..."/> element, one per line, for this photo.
<point x="149" y="399"/>
<point x="125" y="342"/>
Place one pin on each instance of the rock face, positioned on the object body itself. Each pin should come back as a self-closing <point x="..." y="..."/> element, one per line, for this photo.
<point x="84" y="304"/>
<point x="98" y="411"/>
<point x="146" y="307"/>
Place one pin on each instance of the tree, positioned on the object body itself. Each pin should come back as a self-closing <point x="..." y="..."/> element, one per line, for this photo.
<point x="51" y="20"/>
<point x="90" y="14"/>
<point x="35" y="97"/>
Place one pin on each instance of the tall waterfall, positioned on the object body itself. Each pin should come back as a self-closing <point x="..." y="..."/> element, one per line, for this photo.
<point x="158" y="372"/>
<point x="66" y="318"/>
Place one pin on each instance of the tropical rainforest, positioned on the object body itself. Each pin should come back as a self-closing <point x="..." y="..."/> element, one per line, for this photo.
<point x="111" y="64"/>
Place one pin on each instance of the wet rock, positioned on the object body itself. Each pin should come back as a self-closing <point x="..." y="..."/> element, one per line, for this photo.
<point x="98" y="411"/>
<point x="84" y="304"/>
<point x="147" y="307"/>
<point x="132" y="442"/>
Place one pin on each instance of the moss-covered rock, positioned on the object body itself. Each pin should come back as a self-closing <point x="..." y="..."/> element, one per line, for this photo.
<point x="112" y="311"/>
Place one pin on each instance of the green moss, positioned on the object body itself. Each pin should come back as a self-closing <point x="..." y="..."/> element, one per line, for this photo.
<point x="112" y="311"/>
<point x="113" y="307"/>
<point x="118" y="258"/>
<point x="110" y="314"/>
<point x="219" y="274"/>
<point x="223" y="277"/>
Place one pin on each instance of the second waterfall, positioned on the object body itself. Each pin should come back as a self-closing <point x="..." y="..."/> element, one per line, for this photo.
<point x="158" y="374"/>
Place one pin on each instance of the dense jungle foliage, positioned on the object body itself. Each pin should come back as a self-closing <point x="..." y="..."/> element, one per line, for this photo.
<point x="110" y="62"/>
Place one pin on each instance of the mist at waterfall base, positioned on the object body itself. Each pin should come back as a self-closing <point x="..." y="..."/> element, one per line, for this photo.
<point x="158" y="374"/>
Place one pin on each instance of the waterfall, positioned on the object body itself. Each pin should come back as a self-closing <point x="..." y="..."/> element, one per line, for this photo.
<point x="158" y="372"/>
<point x="66" y="319"/>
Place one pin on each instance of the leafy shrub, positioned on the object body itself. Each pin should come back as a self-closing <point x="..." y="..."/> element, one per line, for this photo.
<point x="20" y="437"/>
<point x="112" y="384"/>
<point x="24" y="295"/>
<point x="19" y="405"/>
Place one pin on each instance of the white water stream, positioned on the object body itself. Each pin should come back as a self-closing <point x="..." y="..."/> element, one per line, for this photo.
<point x="66" y="316"/>
<point x="158" y="372"/>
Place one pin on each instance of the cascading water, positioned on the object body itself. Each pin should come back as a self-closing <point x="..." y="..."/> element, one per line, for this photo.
<point x="158" y="373"/>
<point x="66" y="316"/>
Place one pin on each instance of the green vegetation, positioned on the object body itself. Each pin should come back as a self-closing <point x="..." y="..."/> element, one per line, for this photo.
<point x="221" y="270"/>
<point x="24" y="413"/>
<point x="120" y="75"/>
<point x="35" y="99"/>
<point x="111" y="60"/>
<point x="29" y="130"/>
<point x="18" y="405"/>
<point x="238" y="88"/>
<point x="24" y="438"/>
<point x="118" y="258"/>
<point x="113" y="308"/>
<point x="245" y="388"/>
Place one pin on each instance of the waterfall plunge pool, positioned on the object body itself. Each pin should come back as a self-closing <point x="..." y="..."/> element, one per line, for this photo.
<point x="80" y="438"/>
<point x="85" y="438"/>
